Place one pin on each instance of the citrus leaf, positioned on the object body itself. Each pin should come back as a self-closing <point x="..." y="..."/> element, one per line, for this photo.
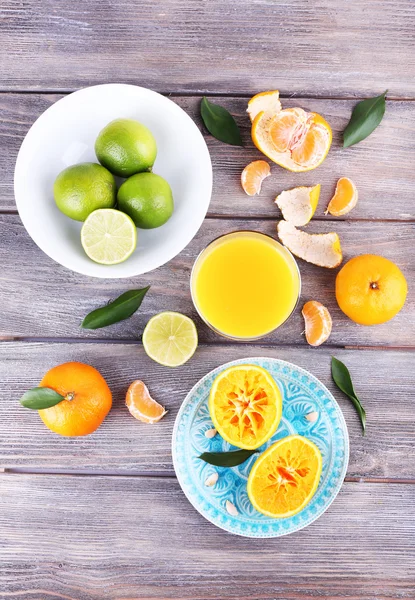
<point x="366" y="116"/>
<point x="220" y="123"/>
<point x="39" y="398"/>
<point x="122" y="308"/>
<point x="227" y="459"/>
<point x="341" y="377"/>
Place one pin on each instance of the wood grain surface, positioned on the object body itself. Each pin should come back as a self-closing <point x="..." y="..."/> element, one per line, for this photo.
<point x="381" y="166"/>
<point x="124" y="444"/>
<point x="322" y="47"/>
<point x="102" y="538"/>
<point x="42" y="299"/>
<point x="102" y="517"/>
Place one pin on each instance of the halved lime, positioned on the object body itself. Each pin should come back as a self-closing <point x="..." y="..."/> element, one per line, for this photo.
<point x="170" y="338"/>
<point x="109" y="236"/>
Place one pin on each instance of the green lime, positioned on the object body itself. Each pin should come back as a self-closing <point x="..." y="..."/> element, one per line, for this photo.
<point x="147" y="198"/>
<point x="81" y="189"/>
<point x="126" y="147"/>
<point x="108" y="236"/>
<point x="170" y="338"/>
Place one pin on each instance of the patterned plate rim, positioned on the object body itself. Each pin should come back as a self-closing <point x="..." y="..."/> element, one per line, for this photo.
<point x="339" y="413"/>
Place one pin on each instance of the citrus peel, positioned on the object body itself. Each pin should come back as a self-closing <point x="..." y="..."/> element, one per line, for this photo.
<point x="264" y="101"/>
<point x="322" y="249"/>
<point x="299" y="204"/>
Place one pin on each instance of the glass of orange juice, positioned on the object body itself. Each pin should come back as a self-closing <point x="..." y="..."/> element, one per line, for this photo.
<point x="245" y="285"/>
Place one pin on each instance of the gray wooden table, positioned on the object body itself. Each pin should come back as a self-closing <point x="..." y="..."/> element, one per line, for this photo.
<point x="103" y="517"/>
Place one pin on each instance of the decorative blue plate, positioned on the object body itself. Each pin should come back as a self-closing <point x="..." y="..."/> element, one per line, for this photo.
<point x="302" y="393"/>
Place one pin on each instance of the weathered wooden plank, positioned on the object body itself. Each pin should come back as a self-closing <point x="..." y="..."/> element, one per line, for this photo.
<point x="323" y="48"/>
<point x="99" y="538"/>
<point x="381" y="166"/>
<point x="41" y="298"/>
<point x="384" y="380"/>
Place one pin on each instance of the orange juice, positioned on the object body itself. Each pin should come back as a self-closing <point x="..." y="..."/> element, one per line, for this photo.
<point x="245" y="284"/>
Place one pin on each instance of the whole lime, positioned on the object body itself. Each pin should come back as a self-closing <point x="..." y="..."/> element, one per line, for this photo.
<point x="126" y="147"/>
<point x="147" y="198"/>
<point x="81" y="189"/>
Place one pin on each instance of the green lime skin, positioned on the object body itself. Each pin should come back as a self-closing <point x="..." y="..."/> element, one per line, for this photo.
<point x="147" y="198"/>
<point x="81" y="189"/>
<point x="126" y="147"/>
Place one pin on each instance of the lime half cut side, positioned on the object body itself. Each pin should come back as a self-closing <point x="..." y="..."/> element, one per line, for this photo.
<point x="170" y="339"/>
<point x="109" y="236"/>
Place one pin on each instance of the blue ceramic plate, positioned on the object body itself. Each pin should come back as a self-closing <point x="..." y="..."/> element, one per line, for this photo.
<point x="302" y="393"/>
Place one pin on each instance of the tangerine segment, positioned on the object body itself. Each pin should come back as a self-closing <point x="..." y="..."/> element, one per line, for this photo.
<point x="87" y="402"/>
<point x="253" y="175"/>
<point x="141" y="405"/>
<point x="285" y="477"/>
<point x="245" y="405"/>
<point x="370" y="289"/>
<point x="344" y="199"/>
<point x="294" y="139"/>
<point x="318" y="322"/>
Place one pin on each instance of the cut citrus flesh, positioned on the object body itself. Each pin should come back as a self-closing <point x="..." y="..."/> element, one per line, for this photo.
<point x="245" y="405"/>
<point x="344" y="199"/>
<point x="141" y="405"/>
<point x="317" y="322"/>
<point x="370" y="289"/>
<point x="299" y="204"/>
<point x="264" y="101"/>
<point x="293" y="138"/>
<point x="170" y="338"/>
<point x="322" y="249"/>
<point x="285" y="477"/>
<point x="108" y="236"/>
<point x="253" y="175"/>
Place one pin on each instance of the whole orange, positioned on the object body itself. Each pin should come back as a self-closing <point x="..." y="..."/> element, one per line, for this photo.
<point x="370" y="289"/>
<point x="87" y="402"/>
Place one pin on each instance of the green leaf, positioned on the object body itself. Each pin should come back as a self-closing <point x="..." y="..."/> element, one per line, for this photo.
<point x="220" y="123"/>
<point x="227" y="459"/>
<point x="343" y="380"/>
<point x="366" y="116"/>
<point x="117" y="310"/>
<point x="39" y="398"/>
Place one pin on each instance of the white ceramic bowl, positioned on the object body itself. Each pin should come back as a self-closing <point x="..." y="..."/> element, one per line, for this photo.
<point x="65" y="135"/>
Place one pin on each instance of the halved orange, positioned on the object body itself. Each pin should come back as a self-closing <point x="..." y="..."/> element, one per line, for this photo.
<point x="245" y="405"/>
<point x="285" y="477"/>
<point x="141" y="405"/>
<point x="253" y="175"/>
<point x="344" y="199"/>
<point x="293" y="138"/>
<point x="318" y="322"/>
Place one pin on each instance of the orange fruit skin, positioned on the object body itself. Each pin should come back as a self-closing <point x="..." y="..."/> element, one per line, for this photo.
<point x="92" y="399"/>
<point x="370" y="289"/>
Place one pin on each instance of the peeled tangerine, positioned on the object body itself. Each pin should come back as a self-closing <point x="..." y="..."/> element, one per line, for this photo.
<point x="317" y="322"/>
<point x="253" y="175"/>
<point x="299" y="204"/>
<point x="293" y="138"/>
<point x="141" y="405"/>
<point x="344" y="199"/>
<point x="322" y="249"/>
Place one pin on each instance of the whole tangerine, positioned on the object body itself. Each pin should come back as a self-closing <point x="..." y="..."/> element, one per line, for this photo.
<point x="370" y="289"/>
<point x="87" y="399"/>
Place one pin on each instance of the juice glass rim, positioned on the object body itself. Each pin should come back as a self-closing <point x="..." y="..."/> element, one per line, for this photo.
<point x="192" y="277"/>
